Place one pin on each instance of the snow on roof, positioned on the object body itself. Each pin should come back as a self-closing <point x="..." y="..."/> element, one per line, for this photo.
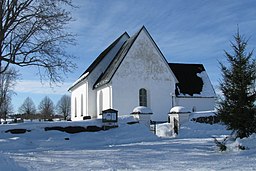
<point x="103" y="54"/>
<point x="79" y="80"/>
<point x="208" y="90"/>
<point x="142" y="110"/>
<point x="98" y="60"/>
<point x="179" y="109"/>
<point x="110" y="71"/>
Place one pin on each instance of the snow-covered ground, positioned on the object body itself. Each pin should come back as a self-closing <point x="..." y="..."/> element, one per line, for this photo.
<point x="128" y="147"/>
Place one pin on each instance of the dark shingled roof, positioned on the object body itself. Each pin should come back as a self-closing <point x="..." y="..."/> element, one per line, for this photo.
<point x="110" y="71"/>
<point x="186" y="74"/>
<point x="102" y="55"/>
<point x="99" y="59"/>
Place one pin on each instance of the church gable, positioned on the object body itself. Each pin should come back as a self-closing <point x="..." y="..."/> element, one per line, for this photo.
<point x="145" y="61"/>
<point x="110" y="71"/>
<point x="144" y="57"/>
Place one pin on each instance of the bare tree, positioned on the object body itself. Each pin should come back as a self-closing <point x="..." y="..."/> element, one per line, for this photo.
<point x="7" y="83"/>
<point x="28" y="108"/>
<point x="46" y="108"/>
<point x="64" y="106"/>
<point x="33" y="33"/>
<point x="6" y="108"/>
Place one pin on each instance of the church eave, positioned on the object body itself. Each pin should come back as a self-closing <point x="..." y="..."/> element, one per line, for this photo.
<point x="103" y="54"/>
<point x="106" y="77"/>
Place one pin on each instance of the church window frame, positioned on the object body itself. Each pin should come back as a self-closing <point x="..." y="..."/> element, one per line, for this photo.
<point x="143" y="97"/>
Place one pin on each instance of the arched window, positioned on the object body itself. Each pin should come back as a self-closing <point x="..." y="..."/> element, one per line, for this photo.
<point x="143" y="97"/>
<point x="82" y="105"/>
<point x="75" y="108"/>
<point x="100" y="102"/>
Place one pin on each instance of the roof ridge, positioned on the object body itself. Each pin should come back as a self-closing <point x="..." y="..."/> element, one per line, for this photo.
<point x="100" y="57"/>
<point x="117" y="59"/>
<point x="178" y="63"/>
<point x="103" y="54"/>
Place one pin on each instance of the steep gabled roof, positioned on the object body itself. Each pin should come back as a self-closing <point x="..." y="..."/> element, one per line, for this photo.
<point x="110" y="71"/>
<point x="112" y="68"/>
<point x="96" y="62"/>
<point x="103" y="54"/>
<point x="191" y="81"/>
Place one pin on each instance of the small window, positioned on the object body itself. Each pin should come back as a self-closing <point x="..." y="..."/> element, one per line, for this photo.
<point x="143" y="97"/>
<point x="82" y="105"/>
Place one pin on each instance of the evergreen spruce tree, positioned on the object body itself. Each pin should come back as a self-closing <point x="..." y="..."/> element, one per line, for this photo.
<point x="237" y="108"/>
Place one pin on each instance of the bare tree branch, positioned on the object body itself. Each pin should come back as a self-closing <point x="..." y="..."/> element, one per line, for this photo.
<point x="33" y="33"/>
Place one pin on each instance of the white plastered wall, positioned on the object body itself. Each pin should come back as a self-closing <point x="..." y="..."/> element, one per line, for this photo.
<point x="196" y="104"/>
<point x="90" y="104"/>
<point x="104" y="99"/>
<point x="79" y="101"/>
<point x="143" y="67"/>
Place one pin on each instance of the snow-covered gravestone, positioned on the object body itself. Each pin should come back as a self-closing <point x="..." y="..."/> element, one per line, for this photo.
<point x="110" y="118"/>
<point x="143" y="115"/>
<point x="177" y="116"/>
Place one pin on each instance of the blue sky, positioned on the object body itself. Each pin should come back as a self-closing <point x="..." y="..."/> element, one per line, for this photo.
<point x="186" y="31"/>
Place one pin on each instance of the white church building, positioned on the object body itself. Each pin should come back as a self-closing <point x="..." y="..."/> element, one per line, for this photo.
<point x="132" y="72"/>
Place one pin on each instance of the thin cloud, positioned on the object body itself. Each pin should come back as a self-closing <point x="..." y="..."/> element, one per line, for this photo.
<point x="36" y="87"/>
<point x="186" y="31"/>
